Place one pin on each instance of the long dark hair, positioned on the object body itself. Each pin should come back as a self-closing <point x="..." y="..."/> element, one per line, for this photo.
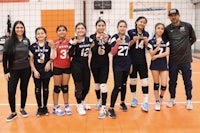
<point x="12" y="41"/>
<point x="141" y="17"/>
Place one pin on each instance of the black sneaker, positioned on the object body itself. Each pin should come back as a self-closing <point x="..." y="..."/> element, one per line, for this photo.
<point x="45" y="111"/>
<point x="23" y="113"/>
<point x="11" y="117"/>
<point x="39" y="112"/>
<point x="111" y="113"/>
<point x="123" y="107"/>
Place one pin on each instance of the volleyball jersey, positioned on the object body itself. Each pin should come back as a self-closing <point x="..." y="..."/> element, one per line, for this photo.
<point x="137" y="51"/>
<point x="62" y="59"/>
<point x="159" y="63"/>
<point x="121" y="60"/>
<point x="100" y="52"/>
<point x="80" y="51"/>
<point x="41" y="57"/>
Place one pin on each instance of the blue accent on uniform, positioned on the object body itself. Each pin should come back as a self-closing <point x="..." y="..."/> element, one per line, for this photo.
<point x="160" y="63"/>
<point x="99" y="60"/>
<point x="121" y="61"/>
<point x="137" y="54"/>
<point x="81" y="52"/>
<point x="36" y="49"/>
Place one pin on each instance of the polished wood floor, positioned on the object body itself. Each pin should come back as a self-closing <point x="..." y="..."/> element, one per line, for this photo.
<point x="168" y="120"/>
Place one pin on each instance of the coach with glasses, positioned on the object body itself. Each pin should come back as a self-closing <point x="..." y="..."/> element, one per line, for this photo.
<point x="181" y="36"/>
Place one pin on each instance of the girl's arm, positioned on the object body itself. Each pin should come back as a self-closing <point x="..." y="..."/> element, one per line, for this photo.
<point x="53" y="53"/>
<point x="153" y="52"/>
<point x="34" y="70"/>
<point x="165" y="54"/>
<point x="114" y="49"/>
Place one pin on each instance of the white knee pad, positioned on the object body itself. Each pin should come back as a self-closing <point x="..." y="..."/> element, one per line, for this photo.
<point x="97" y="86"/>
<point x="133" y="81"/>
<point x="145" y="82"/>
<point x="103" y="88"/>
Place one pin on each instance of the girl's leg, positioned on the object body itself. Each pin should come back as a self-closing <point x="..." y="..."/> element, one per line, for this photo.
<point x="155" y="75"/>
<point x="164" y="79"/>
<point x="86" y="82"/>
<point x="45" y="91"/>
<point x="37" y="83"/>
<point x="45" y="95"/>
<point x="57" y="88"/>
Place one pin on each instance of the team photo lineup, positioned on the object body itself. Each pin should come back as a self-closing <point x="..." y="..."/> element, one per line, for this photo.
<point x="84" y="56"/>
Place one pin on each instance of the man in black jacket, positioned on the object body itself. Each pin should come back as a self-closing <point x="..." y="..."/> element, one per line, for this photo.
<point x="181" y="36"/>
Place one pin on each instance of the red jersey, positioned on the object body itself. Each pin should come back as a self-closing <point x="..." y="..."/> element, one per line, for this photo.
<point x="62" y="59"/>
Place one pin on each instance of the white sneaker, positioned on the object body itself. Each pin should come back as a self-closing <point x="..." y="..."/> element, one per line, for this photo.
<point x="157" y="106"/>
<point x="58" y="111"/>
<point x="171" y="103"/>
<point x="80" y="109"/>
<point x="189" y="105"/>
<point x="98" y="104"/>
<point x="102" y="113"/>
<point x="68" y="110"/>
<point x="85" y="106"/>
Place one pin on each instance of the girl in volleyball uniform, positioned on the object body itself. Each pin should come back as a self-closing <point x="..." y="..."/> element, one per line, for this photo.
<point x="159" y="51"/>
<point x="41" y="67"/>
<point x="79" y="51"/>
<point x="100" y="65"/>
<point x="61" y="70"/>
<point x="138" y="43"/>
<point x="121" y="66"/>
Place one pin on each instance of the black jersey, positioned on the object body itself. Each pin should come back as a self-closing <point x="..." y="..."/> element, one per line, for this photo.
<point x="181" y="38"/>
<point x="80" y="51"/>
<point x="121" y="60"/>
<point x="159" y="63"/>
<point x="100" y="52"/>
<point x="41" y="57"/>
<point x="137" y="51"/>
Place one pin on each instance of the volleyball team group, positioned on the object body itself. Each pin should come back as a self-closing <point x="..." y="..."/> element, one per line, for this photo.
<point x="64" y="57"/>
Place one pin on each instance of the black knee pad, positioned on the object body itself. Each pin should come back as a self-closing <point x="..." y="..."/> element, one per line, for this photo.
<point x="163" y="88"/>
<point x="156" y="86"/>
<point x="145" y="90"/>
<point x="56" y="89"/>
<point x="133" y="88"/>
<point x="64" y="88"/>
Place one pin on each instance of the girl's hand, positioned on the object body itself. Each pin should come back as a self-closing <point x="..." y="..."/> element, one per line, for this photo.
<point x="118" y="41"/>
<point x="36" y="74"/>
<point x="7" y="76"/>
<point x="158" y="42"/>
<point x="75" y="41"/>
<point x="145" y="40"/>
<point x="47" y="66"/>
<point x="154" y="58"/>
<point x="105" y="38"/>
<point x="98" y="37"/>
<point x="135" y="38"/>
<point x="53" y="45"/>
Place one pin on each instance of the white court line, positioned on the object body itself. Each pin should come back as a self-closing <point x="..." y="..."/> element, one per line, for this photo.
<point x="151" y="103"/>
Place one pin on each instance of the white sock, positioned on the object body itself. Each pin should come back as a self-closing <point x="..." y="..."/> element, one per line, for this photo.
<point x="145" y="97"/>
<point x="134" y="95"/>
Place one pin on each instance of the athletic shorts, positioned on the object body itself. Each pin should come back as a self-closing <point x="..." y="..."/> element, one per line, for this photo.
<point x="141" y="69"/>
<point x="60" y="71"/>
